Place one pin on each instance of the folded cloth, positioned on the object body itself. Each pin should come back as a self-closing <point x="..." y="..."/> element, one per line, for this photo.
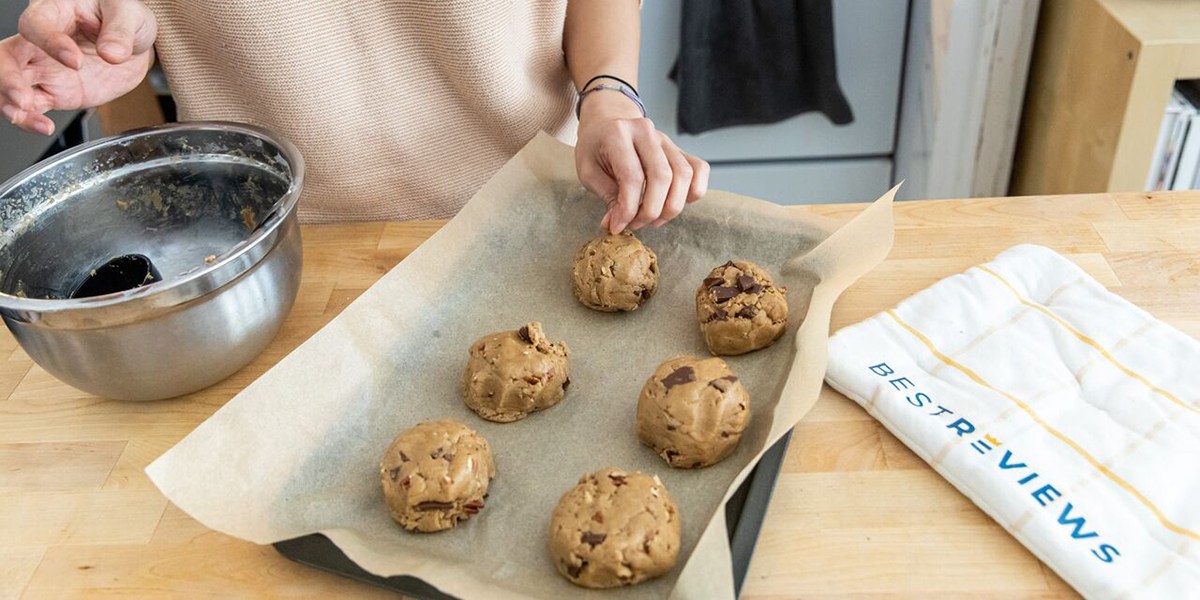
<point x="1067" y="414"/>
<point x="756" y="61"/>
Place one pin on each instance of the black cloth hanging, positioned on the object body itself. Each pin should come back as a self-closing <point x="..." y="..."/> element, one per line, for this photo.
<point x="745" y="62"/>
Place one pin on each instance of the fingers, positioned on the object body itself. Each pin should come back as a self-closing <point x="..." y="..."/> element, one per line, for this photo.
<point x="127" y="28"/>
<point x="642" y="176"/>
<point x="657" y="172"/>
<point x="699" y="185"/>
<point x="28" y="120"/>
<point x="627" y="171"/>
<point x="47" y="25"/>
<point x="14" y="87"/>
<point x="18" y="103"/>
<point x="681" y="180"/>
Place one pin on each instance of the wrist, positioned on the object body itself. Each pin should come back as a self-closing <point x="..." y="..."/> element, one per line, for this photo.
<point x="608" y="104"/>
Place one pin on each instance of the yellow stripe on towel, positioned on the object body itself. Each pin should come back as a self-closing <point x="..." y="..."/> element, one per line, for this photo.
<point x="1089" y="341"/>
<point x="1125" y="485"/>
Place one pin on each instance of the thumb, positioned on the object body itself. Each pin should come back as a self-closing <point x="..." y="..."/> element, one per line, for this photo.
<point x="600" y="184"/>
<point x="127" y="27"/>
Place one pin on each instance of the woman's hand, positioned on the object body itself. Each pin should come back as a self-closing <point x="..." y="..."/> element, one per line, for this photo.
<point x="73" y="54"/>
<point x="636" y="169"/>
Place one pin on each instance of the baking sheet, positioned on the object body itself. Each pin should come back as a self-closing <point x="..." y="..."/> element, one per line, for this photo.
<point x="744" y="514"/>
<point x="297" y="451"/>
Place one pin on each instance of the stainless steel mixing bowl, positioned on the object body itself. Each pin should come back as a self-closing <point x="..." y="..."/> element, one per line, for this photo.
<point x="186" y="232"/>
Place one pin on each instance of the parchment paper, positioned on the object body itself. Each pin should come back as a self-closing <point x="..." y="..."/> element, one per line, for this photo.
<point x="298" y="451"/>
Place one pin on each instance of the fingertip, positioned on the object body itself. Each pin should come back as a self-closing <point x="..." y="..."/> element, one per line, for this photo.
<point x="114" y="53"/>
<point x="69" y="57"/>
<point x="618" y="224"/>
<point x="30" y="121"/>
<point x="658" y="223"/>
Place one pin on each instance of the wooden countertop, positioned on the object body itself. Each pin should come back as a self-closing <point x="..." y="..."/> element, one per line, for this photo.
<point x="855" y="512"/>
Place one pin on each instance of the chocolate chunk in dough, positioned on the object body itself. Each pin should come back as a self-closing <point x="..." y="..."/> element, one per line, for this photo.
<point x="606" y="534"/>
<point x="723" y="293"/>
<point x="747" y="292"/>
<point x="614" y="273"/>
<point x="678" y="376"/>
<point x="694" y="423"/>
<point x="445" y="484"/>
<point x="513" y="373"/>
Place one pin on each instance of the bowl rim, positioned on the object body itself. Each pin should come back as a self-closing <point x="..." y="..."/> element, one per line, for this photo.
<point x="284" y="207"/>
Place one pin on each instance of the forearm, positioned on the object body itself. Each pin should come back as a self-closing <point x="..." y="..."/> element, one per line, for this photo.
<point x="600" y="37"/>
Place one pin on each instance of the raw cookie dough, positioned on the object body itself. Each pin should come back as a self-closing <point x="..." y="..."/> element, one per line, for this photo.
<point x="692" y="411"/>
<point x="740" y="308"/>
<point x="513" y="373"/>
<point x="614" y="528"/>
<point x="436" y="474"/>
<point x="614" y="272"/>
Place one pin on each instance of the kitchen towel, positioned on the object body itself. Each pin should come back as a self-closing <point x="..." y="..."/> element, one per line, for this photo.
<point x="1067" y="414"/>
<point x="758" y="61"/>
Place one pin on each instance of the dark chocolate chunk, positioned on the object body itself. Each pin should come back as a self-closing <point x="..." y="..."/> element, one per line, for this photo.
<point x="473" y="507"/>
<point x="434" y="505"/>
<point x="645" y="294"/>
<point x="566" y="383"/>
<point x="722" y="293"/>
<point x="618" y="480"/>
<point x="592" y="539"/>
<point x="599" y="518"/>
<point x="729" y="264"/>
<point x="574" y="570"/>
<point x="713" y="281"/>
<point x="747" y="312"/>
<point x="448" y="457"/>
<point x="720" y="384"/>
<point x="671" y="454"/>
<point x="671" y="428"/>
<point x="394" y="474"/>
<point x="436" y="453"/>
<point x="679" y="376"/>
<point x="745" y="281"/>
<point x="754" y="289"/>
<point x="696" y="464"/>
<point x="403" y="457"/>
<point x="523" y="333"/>
<point x="719" y="315"/>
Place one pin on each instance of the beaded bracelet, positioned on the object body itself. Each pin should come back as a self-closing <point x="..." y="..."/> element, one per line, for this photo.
<point x="624" y="89"/>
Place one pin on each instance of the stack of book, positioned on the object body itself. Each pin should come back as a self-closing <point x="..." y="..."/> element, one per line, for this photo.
<point x="1176" y="164"/>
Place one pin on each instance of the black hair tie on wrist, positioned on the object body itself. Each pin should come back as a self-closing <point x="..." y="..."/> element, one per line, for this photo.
<point x="612" y="77"/>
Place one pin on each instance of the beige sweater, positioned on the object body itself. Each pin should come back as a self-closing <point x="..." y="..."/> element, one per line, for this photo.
<point x="401" y="108"/>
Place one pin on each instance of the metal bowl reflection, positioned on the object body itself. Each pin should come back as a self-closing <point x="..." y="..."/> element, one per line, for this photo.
<point x="154" y="263"/>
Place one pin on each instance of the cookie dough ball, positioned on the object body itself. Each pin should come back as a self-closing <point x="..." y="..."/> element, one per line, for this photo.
<point x="436" y="474"/>
<point x="513" y="373"/>
<point x="614" y="272"/>
<point x="692" y="411"/>
<point x="614" y="528"/>
<point x="740" y="308"/>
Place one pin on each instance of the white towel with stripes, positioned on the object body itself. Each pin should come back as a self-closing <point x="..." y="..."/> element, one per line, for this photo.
<point x="1069" y="415"/>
